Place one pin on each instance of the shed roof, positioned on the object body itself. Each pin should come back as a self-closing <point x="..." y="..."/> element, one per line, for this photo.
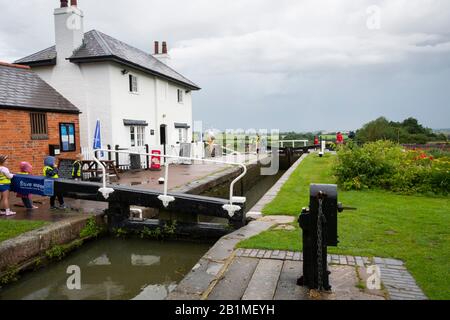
<point x="21" y="88"/>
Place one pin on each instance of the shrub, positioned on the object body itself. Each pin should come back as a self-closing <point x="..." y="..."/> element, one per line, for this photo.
<point x="91" y="229"/>
<point x="384" y="164"/>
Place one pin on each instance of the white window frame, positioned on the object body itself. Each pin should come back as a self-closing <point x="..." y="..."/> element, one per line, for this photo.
<point x="182" y="135"/>
<point x="137" y="136"/>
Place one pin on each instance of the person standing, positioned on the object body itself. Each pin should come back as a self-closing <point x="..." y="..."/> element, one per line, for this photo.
<point x="76" y="167"/>
<point x="257" y="142"/>
<point x="26" y="169"/>
<point x="339" y="138"/>
<point x="5" y="186"/>
<point x="50" y="171"/>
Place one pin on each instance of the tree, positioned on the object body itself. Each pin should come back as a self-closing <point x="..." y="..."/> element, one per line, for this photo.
<point x="379" y="129"/>
<point x="407" y="131"/>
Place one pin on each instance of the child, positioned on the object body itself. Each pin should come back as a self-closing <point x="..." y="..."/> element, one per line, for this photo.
<point x="76" y="167"/>
<point x="50" y="171"/>
<point x="25" y="169"/>
<point x="5" y="184"/>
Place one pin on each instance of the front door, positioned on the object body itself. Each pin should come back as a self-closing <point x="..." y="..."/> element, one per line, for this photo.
<point x="163" y="136"/>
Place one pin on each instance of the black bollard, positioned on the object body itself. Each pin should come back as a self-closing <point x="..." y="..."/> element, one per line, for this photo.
<point x="319" y="225"/>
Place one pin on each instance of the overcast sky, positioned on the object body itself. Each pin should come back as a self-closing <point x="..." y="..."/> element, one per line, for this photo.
<point x="287" y="64"/>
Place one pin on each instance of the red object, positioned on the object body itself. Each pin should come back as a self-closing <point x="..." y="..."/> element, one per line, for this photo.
<point x="156" y="160"/>
<point x="339" y="138"/>
<point x="316" y="141"/>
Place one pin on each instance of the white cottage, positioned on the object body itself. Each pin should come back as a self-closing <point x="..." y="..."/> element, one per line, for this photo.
<point x="137" y="97"/>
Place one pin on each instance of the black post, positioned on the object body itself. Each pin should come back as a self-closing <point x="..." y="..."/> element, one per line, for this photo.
<point x="289" y="156"/>
<point x="109" y="153"/>
<point x="118" y="214"/>
<point x="117" y="156"/>
<point x="319" y="225"/>
<point x="147" y="150"/>
<point x="96" y="154"/>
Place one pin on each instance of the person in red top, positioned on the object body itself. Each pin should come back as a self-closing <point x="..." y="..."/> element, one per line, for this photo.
<point x="316" y="140"/>
<point x="339" y="138"/>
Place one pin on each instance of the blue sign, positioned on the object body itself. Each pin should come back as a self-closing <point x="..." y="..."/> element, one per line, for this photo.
<point x="26" y="184"/>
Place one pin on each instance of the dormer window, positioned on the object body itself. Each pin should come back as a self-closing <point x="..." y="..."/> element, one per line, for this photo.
<point x="180" y="96"/>
<point x="133" y="84"/>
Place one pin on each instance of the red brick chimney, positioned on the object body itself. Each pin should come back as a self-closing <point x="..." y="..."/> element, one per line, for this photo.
<point x="162" y="56"/>
<point x="73" y="3"/>
<point x="64" y="3"/>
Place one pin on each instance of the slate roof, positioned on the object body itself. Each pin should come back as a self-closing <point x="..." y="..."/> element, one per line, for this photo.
<point x="46" y="56"/>
<point x="21" y="88"/>
<point x="98" y="46"/>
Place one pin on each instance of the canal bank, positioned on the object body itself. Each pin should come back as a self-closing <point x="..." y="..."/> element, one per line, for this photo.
<point x="112" y="269"/>
<point x="33" y="249"/>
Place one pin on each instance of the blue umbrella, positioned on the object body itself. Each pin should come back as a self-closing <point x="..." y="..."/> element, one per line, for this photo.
<point x="98" y="138"/>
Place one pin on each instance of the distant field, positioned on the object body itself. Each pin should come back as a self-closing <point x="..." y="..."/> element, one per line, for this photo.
<point x="330" y="137"/>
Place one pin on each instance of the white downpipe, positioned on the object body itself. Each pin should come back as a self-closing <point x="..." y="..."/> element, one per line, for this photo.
<point x="231" y="208"/>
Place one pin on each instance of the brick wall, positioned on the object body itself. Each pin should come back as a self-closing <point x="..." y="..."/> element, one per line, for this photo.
<point x="16" y="142"/>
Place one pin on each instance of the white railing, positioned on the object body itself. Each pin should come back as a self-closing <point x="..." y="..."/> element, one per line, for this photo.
<point x="282" y="142"/>
<point x="88" y="153"/>
<point x="231" y="208"/>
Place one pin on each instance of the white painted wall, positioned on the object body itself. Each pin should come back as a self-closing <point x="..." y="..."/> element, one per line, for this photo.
<point x="132" y="106"/>
<point x="169" y="111"/>
<point x="101" y="91"/>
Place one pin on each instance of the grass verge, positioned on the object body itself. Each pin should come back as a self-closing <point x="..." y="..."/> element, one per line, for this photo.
<point x="13" y="228"/>
<point x="414" y="229"/>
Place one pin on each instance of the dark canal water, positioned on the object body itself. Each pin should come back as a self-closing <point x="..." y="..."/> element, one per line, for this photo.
<point x="112" y="269"/>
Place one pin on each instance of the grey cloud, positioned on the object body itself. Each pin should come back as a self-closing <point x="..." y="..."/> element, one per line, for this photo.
<point x="276" y="64"/>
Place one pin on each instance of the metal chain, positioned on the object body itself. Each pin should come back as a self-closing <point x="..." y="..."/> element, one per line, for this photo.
<point x="319" y="246"/>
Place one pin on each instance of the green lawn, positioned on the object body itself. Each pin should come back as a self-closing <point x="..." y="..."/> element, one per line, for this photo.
<point x="415" y="229"/>
<point x="12" y="228"/>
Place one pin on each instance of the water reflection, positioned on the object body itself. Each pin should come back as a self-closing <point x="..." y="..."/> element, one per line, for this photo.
<point x="112" y="269"/>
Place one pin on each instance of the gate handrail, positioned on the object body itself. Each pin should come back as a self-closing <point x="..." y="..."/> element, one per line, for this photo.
<point x="166" y="199"/>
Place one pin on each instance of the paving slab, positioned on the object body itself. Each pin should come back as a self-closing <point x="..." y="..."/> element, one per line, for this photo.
<point x="287" y="288"/>
<point x="234" y="282"/>
<point x="264" y="280"/>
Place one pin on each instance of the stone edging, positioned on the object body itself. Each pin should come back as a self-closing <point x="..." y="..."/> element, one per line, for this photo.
<point x="395" y="277"/>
